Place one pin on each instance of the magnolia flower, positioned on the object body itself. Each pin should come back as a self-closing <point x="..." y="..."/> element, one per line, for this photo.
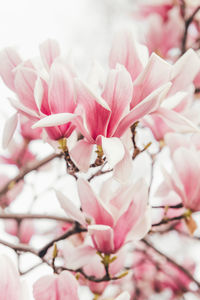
<point x="184" y="178"/>
<point x="85" y="257"/>
<point x="23" y="230"/>
<point x="114" y="219"/>
<point x="56" y="287"/>
<point x="103" y="120"/>
<point x="41" y="91"/>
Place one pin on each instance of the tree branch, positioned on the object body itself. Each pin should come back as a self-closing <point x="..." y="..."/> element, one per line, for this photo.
<point x="25" y="171"/>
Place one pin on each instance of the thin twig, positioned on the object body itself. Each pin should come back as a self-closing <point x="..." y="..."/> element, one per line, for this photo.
<point x="187" y="24"/>
<point x="76" y="229"/>
<point x="29" y="169"/>
<point x="170" y="260"/>
<point x="20" y="217"/>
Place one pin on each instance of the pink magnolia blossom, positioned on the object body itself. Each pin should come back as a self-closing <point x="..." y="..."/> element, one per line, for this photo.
<point x="160" y="36"/>
<point x="18" y="154"/>
<point x="41" y="92"/>
<point x="56" y="287"/>
<point x="85" y="257"/>
<point x="156" y="280"/>
<point x="23" y="230"/>
<point x="144" y="73"/>
<point x="160" y="8"/>
<point x="110" y="222"/>
<point x="184" y="179"/>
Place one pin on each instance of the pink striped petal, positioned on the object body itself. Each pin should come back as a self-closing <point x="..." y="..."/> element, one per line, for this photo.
<point x="102" y="237"/>
<point x="61" y="90"/>
<point x="81" y="155"/>
<point x="95" y="110"/>
<point x="147" y="106"/>
<point x="118" y="94"/>
<point x="91" y="205"/>
<point x="126" y="51"/>
<point x="25" y="80"/>
<point x="156" y="74"/>
<point x="9" y="60"/>
<point x="49" y="50"/>
<point x="176" y="121"/>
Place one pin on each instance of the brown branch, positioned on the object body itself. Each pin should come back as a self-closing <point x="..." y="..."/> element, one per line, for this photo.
<point x="19" y="247"/>
<point x="27" y="170"/>
<point x="187" y="24"/>
<point x="166" y="221"/>
<point x="170" y="260"/>
<point x="68" y="233"/>
<point x="20" y="217"/>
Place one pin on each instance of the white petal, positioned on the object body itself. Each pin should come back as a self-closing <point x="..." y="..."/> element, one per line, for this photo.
<point x="38" y="93"/>
<point x="9" y="129"/>
<point x="70" y="209"/>
<point x="54" y="120"/>
<point x="113" y="150"/>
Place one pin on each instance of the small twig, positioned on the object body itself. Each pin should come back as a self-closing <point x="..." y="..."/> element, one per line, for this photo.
<point x="24" y="172"/>
<point x="170" y="260"/>
<point x="180" y="205"/>
<point x="166" y="221"/>
<point x="35" y="216"/>
<point x="76" y="229"/>
<point x="187" y="24"/>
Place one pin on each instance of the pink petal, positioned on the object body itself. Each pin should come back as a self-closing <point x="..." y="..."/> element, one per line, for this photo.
<point x="187" y="166"/>
<point x="102" y="237"/>
<point x="184" y="71"/>
<point x="9" y="129"/>
<point x="49" y="50"/>
<point x="26" y="231"/>
<point x="81" y="155"/>
<point x="123" y="169"/>
<point x="70" y="209"/>
<point x="133" y="213"/>
<point x="78" y="257"/>
<point x="95" y="110"/>
<point x="148" y="105"/>
<point x="61" y="90"/>
<point x="91" y="205"/>
<point x="9" y="59"/>
<point x="156" y="74"/>
<point x="25" y="80"/>
<point x="118" y="94"/>
<point x="67" y="286"/>
<point x="176" y="121"/>
<point x="126" y="51"/>
<point x="29" y="113"/>
<point x="45" y="288"/>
